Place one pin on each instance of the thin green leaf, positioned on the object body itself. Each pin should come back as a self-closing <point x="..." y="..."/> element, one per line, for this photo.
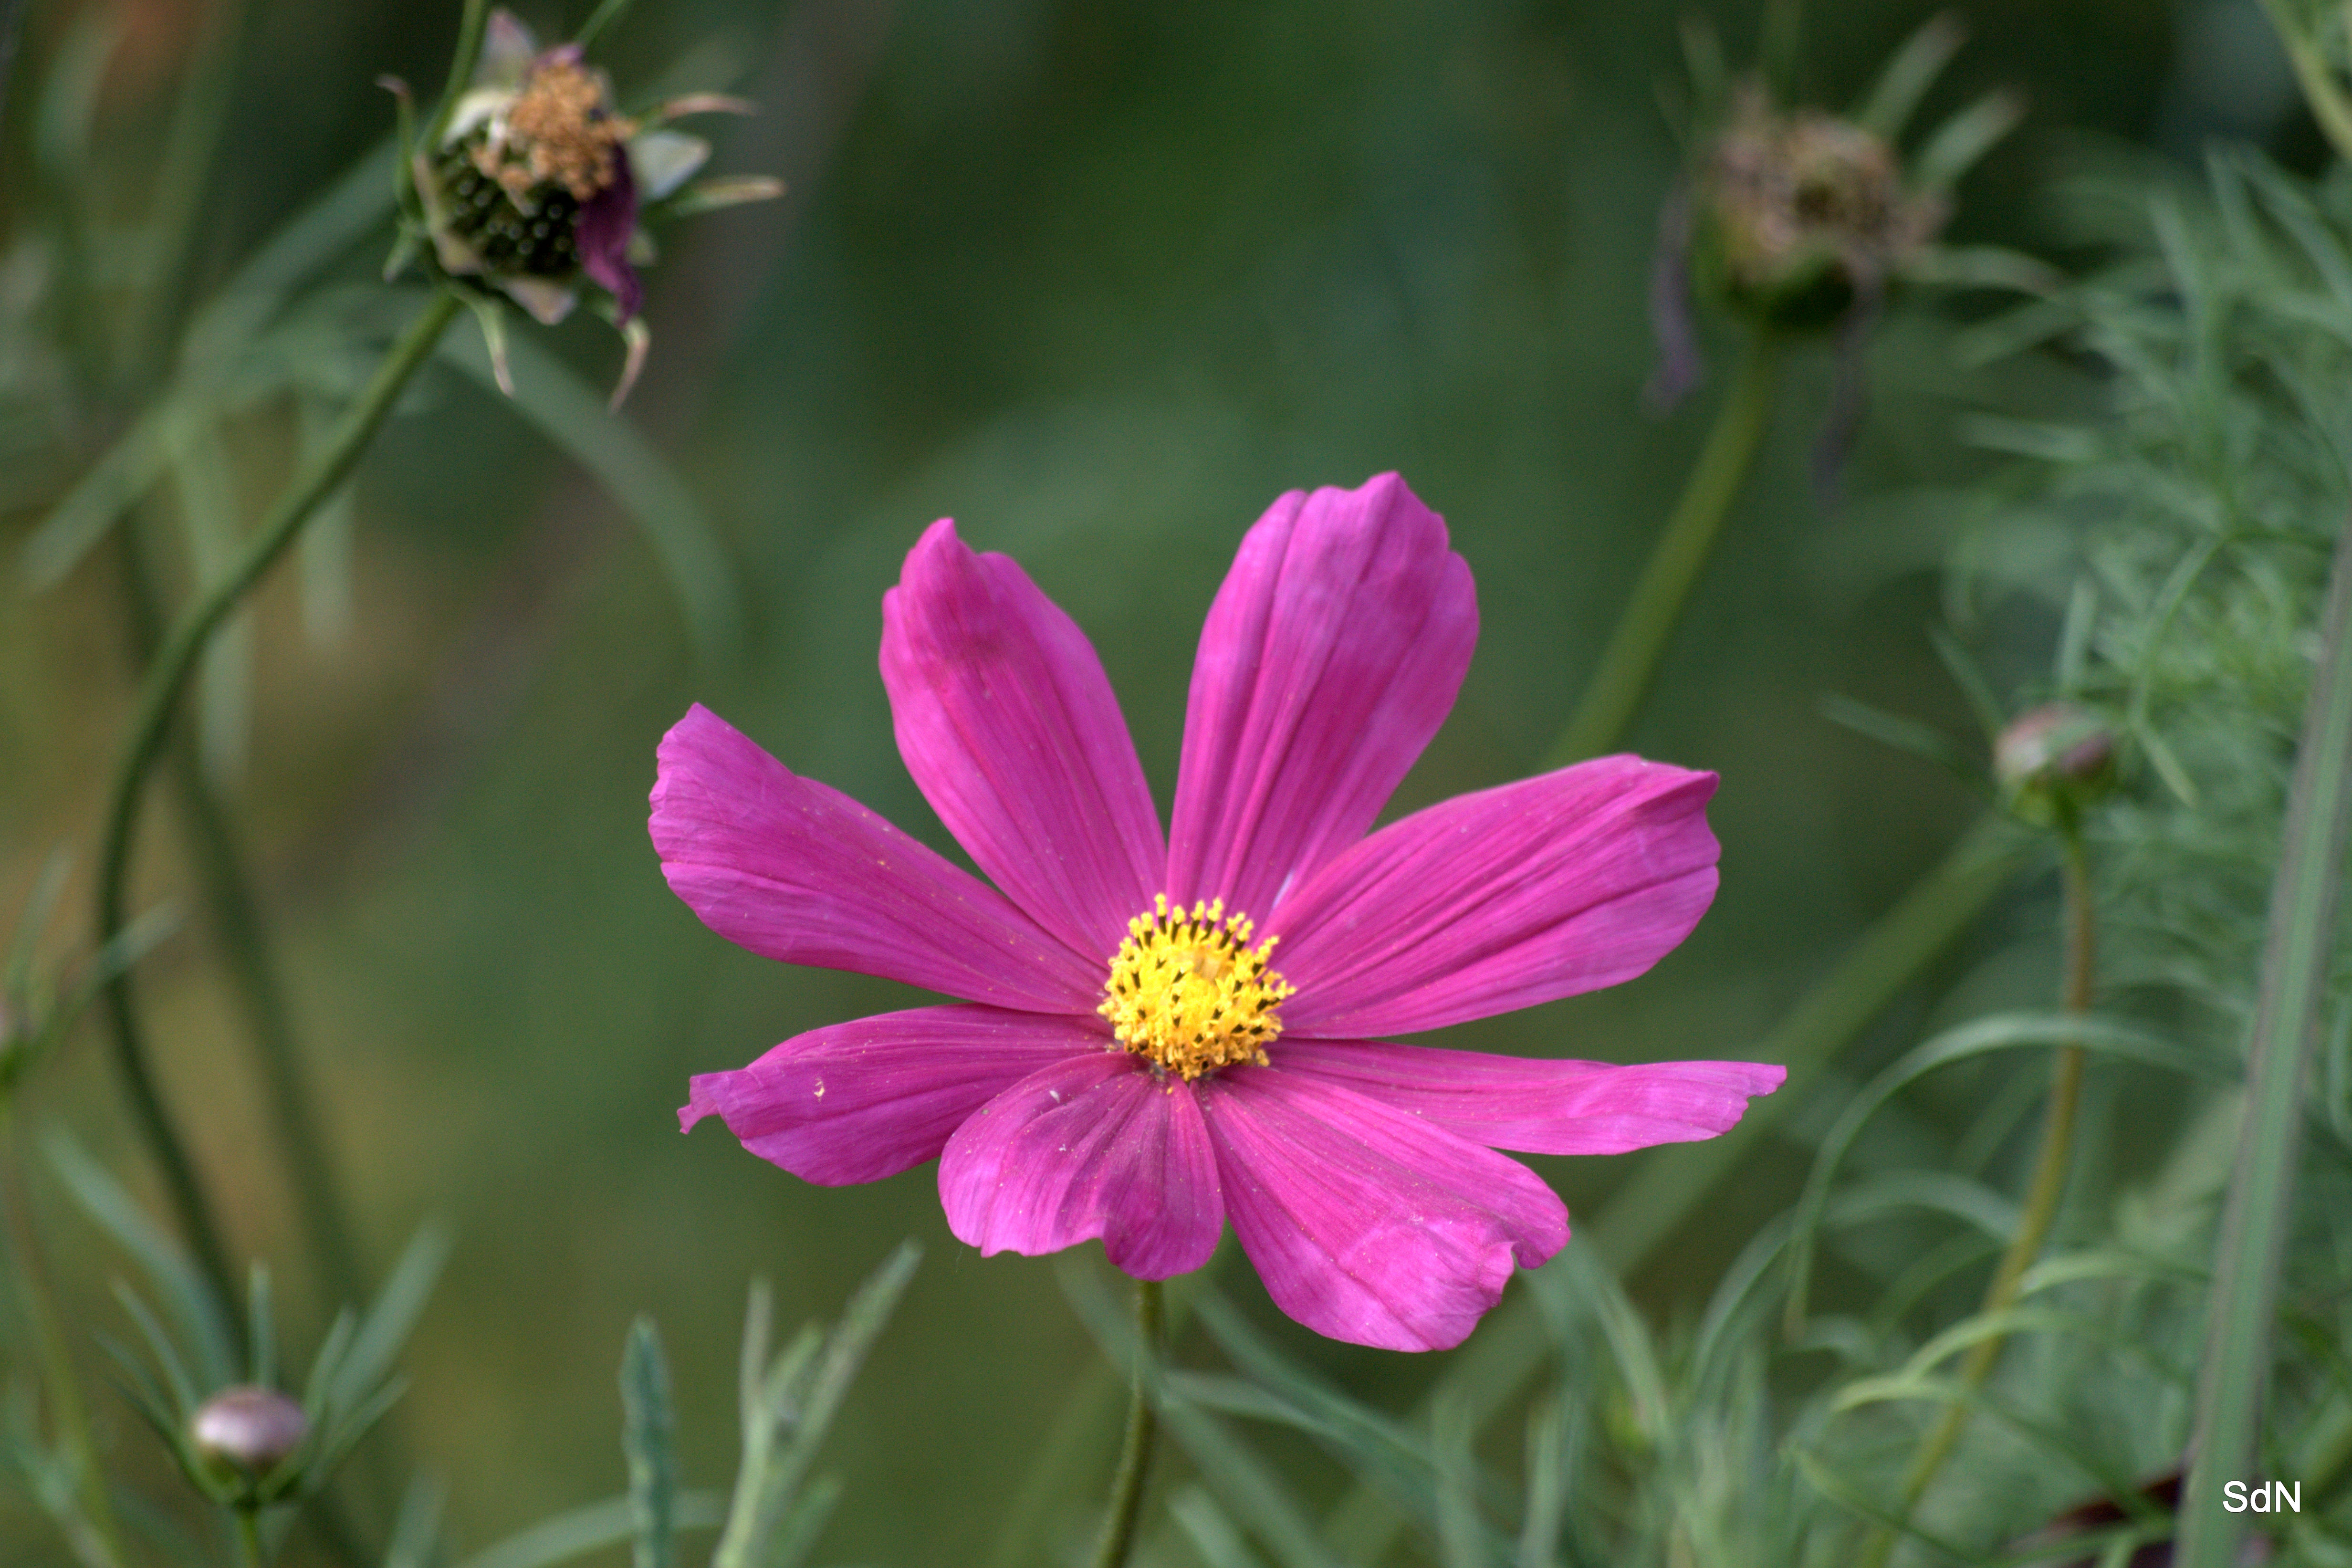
<point x="132" y="466"/>
<point x="390" y="1319"/>
<point x="1923" y="740"/>
<point x="649" y="1439"/>
<point x="1969" y="677"/>
<point x="1963" y="139"/>
<point x="1249" y="1485"/>
<point x="1462" y="1530"/>
<point x="1547" y="1508"/>
<point x="796" y="1537"/>
<point x="317" y="1390"/>
<point x="1909" y="74"/>
<point x="261" y="1327"/>
<point x="572" y="416"/>
<point x="1211" y="1531"/>
<point x="2003" y="1031"/>
<point x="759" y="1314"/>
<point x="584" y="1529"/>
<point x="418" y="1524"/>
<point x="168" y="1271"/>
<point x="17" y="980"/>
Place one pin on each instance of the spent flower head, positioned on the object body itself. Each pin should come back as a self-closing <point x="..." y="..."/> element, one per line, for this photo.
<point x="538" y="186"/>
<point x="1798" y="221"/>
<point x="1157" y="1033"/>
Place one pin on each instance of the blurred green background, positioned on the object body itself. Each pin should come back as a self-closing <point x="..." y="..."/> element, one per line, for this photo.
<point x="1099" y="279"/>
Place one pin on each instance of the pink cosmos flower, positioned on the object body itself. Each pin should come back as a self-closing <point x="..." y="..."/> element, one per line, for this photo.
<point x="1156" y="1035"/>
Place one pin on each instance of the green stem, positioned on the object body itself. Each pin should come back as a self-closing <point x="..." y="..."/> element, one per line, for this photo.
<point x="1630" y="660"/>
<point x="159" y="699"/>
<point x="1142" y="1432"/>
<point x="236" y="921"/>
<point x="2042" y="1195"/>
<point x="2240" y="1328"/>
<point x="92" y="1532"/>
<point x="248" y="1537"/>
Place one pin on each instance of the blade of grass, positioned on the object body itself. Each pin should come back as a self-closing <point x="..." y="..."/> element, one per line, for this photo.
<point x="2297" y="947"/>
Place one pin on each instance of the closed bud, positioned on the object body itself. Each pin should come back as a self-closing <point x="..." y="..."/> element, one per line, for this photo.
<point x="251" y="1427"/>
<point x="2053" y="755"/>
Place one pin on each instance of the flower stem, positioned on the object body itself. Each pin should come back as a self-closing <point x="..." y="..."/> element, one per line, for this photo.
<point x="1142" y="1432"/>
<point x="2042" y="1195"/>
<point x="248" y="1537"/>
<point x="159" y="695"/>
<point x="1630" y="660"/>
<point x="235" y="916"/>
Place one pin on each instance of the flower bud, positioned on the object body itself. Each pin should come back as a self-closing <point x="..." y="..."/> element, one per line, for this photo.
<point x="2053" y="755"/>
<point x="251" y="1427"/>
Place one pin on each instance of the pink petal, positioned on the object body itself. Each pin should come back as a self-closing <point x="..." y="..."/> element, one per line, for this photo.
<point x="1366" y="1223"/>
<point x="1540" y="1107"/>
<point x="1333" y="652"/>
<point x="1093" y="1146"/>
<point x="866" y="1100"/>
<point x="803" y="874"/>
<point x="1500" y="899"/>
<point x="1006" y="720"/>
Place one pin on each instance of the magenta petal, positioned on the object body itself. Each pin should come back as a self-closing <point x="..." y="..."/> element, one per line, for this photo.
<point x="1333" y="652"/>
<point x="866" y="1100"/>
<point x="1540" y="1107"/>
<point x="803" y="874"/>
<point x="1368" y="1224"/>
<point x="1007" y="722"/>
<point x="607" y="221"/>
<point x="1496" y="900"/>
<point x="1093" y="1146"/>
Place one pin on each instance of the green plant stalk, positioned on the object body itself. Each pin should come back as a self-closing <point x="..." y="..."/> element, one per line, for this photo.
<point x="159" y="696"/>
<point x="1630" y="661"/>
<point x="2295" y="952"/>
<point x="1671" y="1184"/>
<point x="236" y="921"/>
<point x="100" y="1544"/>
<point x="248" y="1537"/>
<point x="2042" y="1193"/>
<point x="1142" y="1432"/>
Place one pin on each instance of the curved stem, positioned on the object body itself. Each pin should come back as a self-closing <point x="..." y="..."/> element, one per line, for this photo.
<point x="2042" y="1195"/>
<point x="1142" y="1431"/>
<point x="1630" y="660"/>
<point x="158" y="699"/>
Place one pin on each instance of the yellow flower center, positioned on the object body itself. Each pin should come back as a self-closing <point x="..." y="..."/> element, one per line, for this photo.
<point x="1189" y="994"/>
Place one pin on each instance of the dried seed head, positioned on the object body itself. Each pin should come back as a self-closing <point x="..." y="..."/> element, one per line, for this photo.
<point x="1807" y="212"/>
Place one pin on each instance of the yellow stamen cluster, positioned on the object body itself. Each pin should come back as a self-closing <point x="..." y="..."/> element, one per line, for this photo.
<point x="557" y="129"/>
<point x="1187" y="991"/>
